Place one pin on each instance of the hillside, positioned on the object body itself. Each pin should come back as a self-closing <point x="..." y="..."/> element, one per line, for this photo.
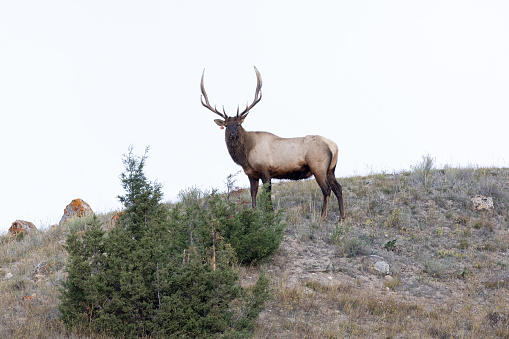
<point x="448" y="267"/>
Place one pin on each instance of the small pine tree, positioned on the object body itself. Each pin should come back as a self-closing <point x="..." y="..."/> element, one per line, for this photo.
<point x="136" y="248"/>
<point x="82" y="293"/>
<point x="142" y="197"/>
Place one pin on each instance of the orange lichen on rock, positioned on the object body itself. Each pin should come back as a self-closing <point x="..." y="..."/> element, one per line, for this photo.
<point x="114" y="219"/>
<point x="21" y="226"/>
<point x="76" y="209"/>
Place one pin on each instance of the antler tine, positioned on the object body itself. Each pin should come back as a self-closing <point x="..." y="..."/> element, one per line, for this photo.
<point x="206" y="103"/>
<point x="258" y="94"/>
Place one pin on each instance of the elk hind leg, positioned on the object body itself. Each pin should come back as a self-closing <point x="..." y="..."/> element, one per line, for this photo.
<point x="326" y="190"/>
<point x="338" y="191"/>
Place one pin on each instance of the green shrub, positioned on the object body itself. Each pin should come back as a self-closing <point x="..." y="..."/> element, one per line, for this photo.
<point x="166" y="273"/>
<point x="255" y="234"/>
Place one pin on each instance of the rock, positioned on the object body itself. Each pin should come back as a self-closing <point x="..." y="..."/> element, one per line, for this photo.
<point x="21" y="226"/>
<point x="482" y="203"/>
<point x="76" y="209"/>
<point x="382" y="267"/>
<point x="114" y="219"/>
<point x="376" y="264"/>
<point x="41" y="271"/>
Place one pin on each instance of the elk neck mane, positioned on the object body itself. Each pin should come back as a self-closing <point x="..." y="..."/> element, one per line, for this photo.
<point x="239" y="148"/>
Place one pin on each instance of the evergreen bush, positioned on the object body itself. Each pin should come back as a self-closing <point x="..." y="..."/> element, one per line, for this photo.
<point x="167" y="272"/>
<point x="255" y="234"/>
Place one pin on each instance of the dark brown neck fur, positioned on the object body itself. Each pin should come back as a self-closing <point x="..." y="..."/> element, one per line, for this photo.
<point x="237" y="148"/>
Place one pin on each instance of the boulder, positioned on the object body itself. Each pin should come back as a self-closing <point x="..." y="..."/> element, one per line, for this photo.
<point x="114" y="219"/>
<point x="41" y="271"/>
<point x="482" y="203"/>
<point x="382" y="267"/>
<point x="76" y="209"/>
<point x="376" y="264"/>
<point x="21" y="226"/>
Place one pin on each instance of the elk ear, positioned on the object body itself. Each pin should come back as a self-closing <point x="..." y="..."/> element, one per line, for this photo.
<point x="220" y="122"/>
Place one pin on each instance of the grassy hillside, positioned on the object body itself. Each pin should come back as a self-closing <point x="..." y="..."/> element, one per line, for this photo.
<point x="448" y="266"/>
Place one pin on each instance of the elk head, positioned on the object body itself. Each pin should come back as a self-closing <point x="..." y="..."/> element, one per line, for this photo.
<point x="232" y="124"/>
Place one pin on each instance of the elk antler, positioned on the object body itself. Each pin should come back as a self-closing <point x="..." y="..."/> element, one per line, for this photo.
<point x="258" y="95"/>
<point x="206" y="103"/>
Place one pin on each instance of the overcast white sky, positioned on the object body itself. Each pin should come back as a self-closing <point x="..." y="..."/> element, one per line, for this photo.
<point x="388" y="81"/>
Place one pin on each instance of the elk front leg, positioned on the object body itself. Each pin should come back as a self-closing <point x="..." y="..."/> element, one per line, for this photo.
<point x="254" y="190"/>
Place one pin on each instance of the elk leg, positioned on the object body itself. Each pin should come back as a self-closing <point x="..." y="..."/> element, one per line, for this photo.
<point x="254" y="190"/>
<point x="325" y="206"/>
<point x="326" y="190"/>
<point x="338" y="191"/>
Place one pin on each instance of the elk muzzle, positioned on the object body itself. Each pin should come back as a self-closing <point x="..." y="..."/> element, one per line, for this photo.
<point x="233" y="135"/>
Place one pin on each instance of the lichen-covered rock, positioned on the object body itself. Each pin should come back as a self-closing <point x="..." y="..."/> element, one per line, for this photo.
<point x="482" y="203"/>
<point x="41" y="271"/>
<point x="21" y="226"/>
<point x="114" y="219"/>
<point x="382" y="267"/>
<point x="376" y="264"/>
<point x="76" y="209"/>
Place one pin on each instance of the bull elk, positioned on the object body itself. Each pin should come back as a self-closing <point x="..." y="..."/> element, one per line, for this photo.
<point x="264" y="155"/>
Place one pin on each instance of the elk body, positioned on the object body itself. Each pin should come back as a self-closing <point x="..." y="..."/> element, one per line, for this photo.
<point x="264" y="155"/>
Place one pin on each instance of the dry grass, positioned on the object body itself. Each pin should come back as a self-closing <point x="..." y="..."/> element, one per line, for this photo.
<point x="448" y="262"/>
<point x="30" y="297"/>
